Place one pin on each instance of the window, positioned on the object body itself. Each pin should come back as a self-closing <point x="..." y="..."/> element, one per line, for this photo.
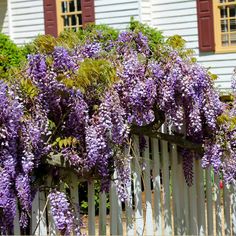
<point x="62" y="15"/>
<point x="69" y="15"/>
<point x="225" y="25"/>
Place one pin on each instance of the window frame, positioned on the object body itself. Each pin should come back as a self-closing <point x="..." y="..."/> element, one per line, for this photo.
<point x="60" y="14"/>
<point x="217" y="28"/>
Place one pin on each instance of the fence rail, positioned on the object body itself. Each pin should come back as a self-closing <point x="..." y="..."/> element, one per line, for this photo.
<point x="161" y="204"/>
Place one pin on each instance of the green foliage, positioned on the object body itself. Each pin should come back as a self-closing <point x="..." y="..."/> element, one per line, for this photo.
<point x="84" y="199"/>
<point x="70" y="39"/>
<point x="10" y="56"/>
<point x="65" y="142"/>
<point x="97" y="73"/>
<point x="226" y="119"/>
<point x="28" y="89"/>
<point x="154" y="36"/>
<point x="42" y="44"/>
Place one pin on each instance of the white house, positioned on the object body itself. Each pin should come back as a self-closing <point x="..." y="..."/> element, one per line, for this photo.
<point x="208" y="26"/>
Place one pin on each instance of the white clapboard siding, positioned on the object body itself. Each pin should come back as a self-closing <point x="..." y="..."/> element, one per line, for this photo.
<point x="180" y="17"/>
<point x="116" y="13"/>
<point x="27" y="20"/>
<point x="4" y="17"/>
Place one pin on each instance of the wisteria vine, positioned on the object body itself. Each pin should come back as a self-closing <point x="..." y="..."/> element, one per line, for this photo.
<point x="84" y="115"/>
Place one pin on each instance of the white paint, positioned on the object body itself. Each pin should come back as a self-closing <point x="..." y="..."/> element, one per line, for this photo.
<point x="4" y="23"/>
<point x="180" y="17"/>
<point x="137" y="188"/>
<point x="209" y="201"/>
<point x="147" y="189"/>
<point x="113" y="209"/>
<point x="91" y="209"/>
<point x="200" y="198"/>
<point x="116" y="13"/>
<point x="102" y="213"/>
<point x="166" y="187"/>
<point x="156" y="187"/>
<point x="227" y="212"/>
<point x="218" y="210"/>
<point x="25" y="20"/>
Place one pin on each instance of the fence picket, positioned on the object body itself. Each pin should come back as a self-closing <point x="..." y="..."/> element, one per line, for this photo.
<point x="209" y="201"/>
<point x="147" y="190"/>
<point x="200" y="198"/>
<point x="186" y="203"/>
<point x="129" y="206"/>
<point x="177" y="203"/>
<point x="113" y="210"/>
<point x="166" y="187"/>
<point x="74" y="193"/>
<point x="16" y="224"/>
<point x="51" y="225"/>
<point x="137" y="188"/>
<point x="177" y="209"/>
<point x="102" y="213"/>
<point x="233" y="208"/>
<point x="39" y="226"/>
<point x="227" y="210"/>
<point x="218" y="208"/>
<point x="91" y="209"/>
<point x="193" y="203"/>
<point x="129" y="214"/>
<point x="156" y="187"/>
<point x="119" y="216"/>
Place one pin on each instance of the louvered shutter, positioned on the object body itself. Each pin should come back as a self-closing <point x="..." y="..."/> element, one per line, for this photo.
<point x="205" y="25"/>
<point x="88" y="15"/>
<point x="50" y="17"/>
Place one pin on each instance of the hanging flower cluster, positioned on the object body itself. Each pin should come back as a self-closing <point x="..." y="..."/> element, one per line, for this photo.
<point x="84" y="102"/>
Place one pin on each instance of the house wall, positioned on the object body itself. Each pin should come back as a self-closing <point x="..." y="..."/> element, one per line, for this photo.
<point x="180" y="17"/>
<point x="116" y="13"/>
<point x="27" y="20"/>
<point x="3" y="17"/>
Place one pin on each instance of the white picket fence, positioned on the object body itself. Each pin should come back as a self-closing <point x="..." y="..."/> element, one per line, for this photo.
<point x="166" y="206"/>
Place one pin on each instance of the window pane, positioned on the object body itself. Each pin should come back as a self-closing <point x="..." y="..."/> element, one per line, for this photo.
<point x="223" y="12"/>
<point x="233" y="39"/>
<point x="78" y="5"/>
<point x="72" y="6"/>
<point x="224" y="26"/>
<point x="80" y="19"/>
<point x="64" y="7"/>
<point x="232" y="11"/>
<point x="225" y="40"/>
<point x="73" y="20"/>
<point x="232" y="25"/>
<point x="66" y="20"/>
